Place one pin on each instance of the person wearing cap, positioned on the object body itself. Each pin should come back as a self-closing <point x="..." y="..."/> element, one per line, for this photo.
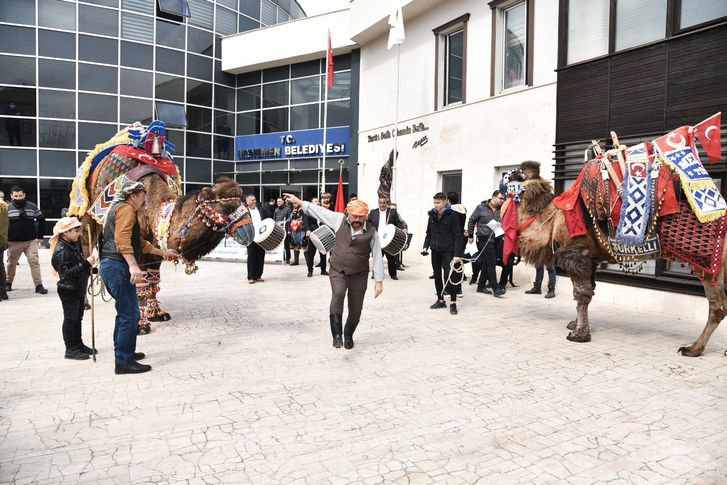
<point x="355" y="242"/>
<point x="120" y="258"/>
<point x="73" y="271"/>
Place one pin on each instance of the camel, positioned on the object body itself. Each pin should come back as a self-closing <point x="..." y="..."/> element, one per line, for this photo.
<point x="546" y="240"/>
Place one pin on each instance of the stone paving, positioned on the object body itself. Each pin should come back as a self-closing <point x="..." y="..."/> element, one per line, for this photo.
<point x="246" y="388"/>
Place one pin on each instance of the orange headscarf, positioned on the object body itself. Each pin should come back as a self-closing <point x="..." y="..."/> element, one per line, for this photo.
<point x="358" y="208"/>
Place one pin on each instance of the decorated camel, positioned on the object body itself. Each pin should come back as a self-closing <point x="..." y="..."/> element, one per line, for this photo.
<point x="628" y="205"/>
<point x="192" y="224"/>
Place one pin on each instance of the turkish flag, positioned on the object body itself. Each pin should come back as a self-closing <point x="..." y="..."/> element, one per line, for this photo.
<point x="708" y="133"/>
<point x="340" y="200"/>
<point x="330" y="61"/>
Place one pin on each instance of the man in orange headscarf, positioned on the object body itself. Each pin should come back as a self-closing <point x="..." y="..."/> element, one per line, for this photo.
<point x="355" y="241"/>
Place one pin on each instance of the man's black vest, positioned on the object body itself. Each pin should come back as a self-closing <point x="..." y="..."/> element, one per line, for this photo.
<point x="351" y="255"/>
<point x="109" y="243"/>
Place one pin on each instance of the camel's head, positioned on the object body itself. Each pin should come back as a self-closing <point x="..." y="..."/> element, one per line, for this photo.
<point x="535" y="191"/>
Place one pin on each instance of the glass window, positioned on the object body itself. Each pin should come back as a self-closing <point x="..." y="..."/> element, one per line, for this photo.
<point x="224" y="98"/>
<point x="202" y="13"/>
<point x="136" y="27"/>
<point x="342" y="80"/>
<point x="55" y="74"/>
<point x="17" y="70"/>
<point x="199" y="119"/>
<point x="198" y="145"/>
<point x="170" y="34"/>
<point x="246" y="23"/>
<point x="96" y="20"/>
<point x="514" y="46"/>
<point x="57" y="134"/>
<point x="248" y="123"/>
<point x="59" y="15"/>
<point x="141" y="6"/>
<point x="228" y="3"/>
<point x="639" y="22"/>
<point x="275" y="94"/>
<point x="339" y="113"/>
<point x="275" y="120"/>
<point x="695" y="12"/>
<point x="135" y="109"/>
<point x="171" y="114"/>
<point x="308" y="89"/>
<point x="137" y="55"/>
<point x="249" y="78"/>
<point x="200" y="41"/>
<point x="17" y="12"/>
<point x="57" y="164"/>
<point x="105" y="3"/>
<point x="223" y="168"/>
<point x="453" y="67"/>
<point x="587" y="29"/>
<point x="17" y="101"/>
<point x="17" y="40"/>
<point x="306" y="68"/>
<point x="96" y="107"/>
<point x="174" y="7"/>
<point x="97" y="49"/>
<point x="17" y="132"/>
<point x="17" y="162"/>
<point x="223" y="77"/>
<point x="91" y="134"/>
<point x="250" y="8"/>
<point x="52" y="43"/>
<point x="176" y="137"/>
<point x="169" y="88"/>
<point x="170" y="61"/>
<point x="199" y="67"/>
<point x="248" y="98"/>
<point x="275" y="74"/>
<point x="268" y="13"/>
<point x="304" y="117"/>
<point x="198" y="170"/>
<point x="137" y="83"/>
<point x="199" y="93"/>
<point x="226" y="21"/>
<point x="56" y="104"/>
<point x="342" y="62"/>
<point x="224" y="147"/>
<point x="54" y="196"/>
<point x="97" y="78"/>
<point x="224" y="123"/>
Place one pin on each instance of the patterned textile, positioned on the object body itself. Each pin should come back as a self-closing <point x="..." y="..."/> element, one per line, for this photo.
<point x="165" y="218"/>
<point x="638" y="192"/>
<point x="684" y="237"/>
<point x="600" y="199"/>
<point x="166" y="165"/>
<point x="109" y="169"/>
<point x="105" y="200"/>
<point x="575" y="222"/>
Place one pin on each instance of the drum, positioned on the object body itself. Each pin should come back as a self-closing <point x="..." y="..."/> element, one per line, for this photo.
<point x="323" y="239"/>
<point x="392" y="239"/>
<point x="269" y="235"/>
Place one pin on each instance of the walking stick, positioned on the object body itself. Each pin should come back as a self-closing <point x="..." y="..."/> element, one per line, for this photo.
<point x="93" y="306"/>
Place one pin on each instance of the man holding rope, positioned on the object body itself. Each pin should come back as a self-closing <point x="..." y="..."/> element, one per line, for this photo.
<point x="446" y="241"/>
<point x="355" y="241"/>
<point x="120" y="257"/>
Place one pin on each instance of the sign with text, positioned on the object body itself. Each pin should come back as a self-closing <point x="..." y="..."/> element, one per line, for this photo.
<point x="292" y="144"/>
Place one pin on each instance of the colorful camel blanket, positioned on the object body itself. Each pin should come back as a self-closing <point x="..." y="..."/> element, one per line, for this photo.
<point x="105" y="200"/>
<point x="638" y="196"/>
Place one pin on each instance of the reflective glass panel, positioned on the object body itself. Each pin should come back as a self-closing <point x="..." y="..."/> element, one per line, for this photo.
<point x="339" y="113"/>
<point x="170" y="34"/>
<point x="199" y="67"/>
<point x="174" y="7"/>
<point x="246" y="23"/>
<point x="304" y="117"/>
<point x="587" y="29"/>
<point x="342" y="85"/>
<point x="224" y="123"/>
<point x="17" y="132"/>
<point x="305" y="68"/>
<point x="134" y="109"/>
<point x="249" y="78"/>
<point x="54" y="196"/>
<point x="17" y="12"/>
<point x="17" y="70"/>
<point x="224" y="147"/>
<point x="268" y="13"/>
<point x="56" y="104"/>
<point x="137" y="83"/>
<point x="226" y="21"/>
<point x="275" y="94"/>
<point x="275" y="120"/>
<point x="97" y="49"/>
<point x="106" y="3"/>
<point x="248" y="123"/>
<point x="199" y="119"/>
<point x="17" y="101"/>
<point x="96" y="107"/>
<point x="248" y="98"/>
<point x="136" y="27"/>
<point x="137" y="55"/>
<point x="15" y="161"/>
<point x="52" y="43"/>
<point x="695" y="12"/>
<point x="97" y="78"/>
<point x="453" y="69"/>
<point x="176" y="137"/>
<point x="141" y="6"/>
<point x="223" y="77"/>
<point x="514" y="49"/>
<point x="308" y="89"/>
<point x="17" y="40"/>
<point x="56" y="74"/>
<point x="170" y="88"/>
<point x="199" y="144"/>
<point x="171" y="114"/>
<point x="199" y="92"/>
<point x="342" y="62"/>
<point x="251" y="8"/>
<point x="199" y="41"/>
<point x="639" y="22"/>
<point x="202" y="13"/>
<point x="59" y="15"/>
<point x="57" y="163"/>
<point x="224" y="98"/>
<point x="275" y="74"/>
<point x="57" y="134"/>
<point x="170" y="61"/>
<point x="198" y="170"/>
<point x="95" y="20"/>
<point x="91" y="134"/>
<point x="228" y="3"/>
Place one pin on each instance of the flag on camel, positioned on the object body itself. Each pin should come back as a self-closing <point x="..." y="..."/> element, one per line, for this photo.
<point x="708" y="133"/>
<point x="329" y="63"/>
<point x="396" y="27"/>
<point x="340" y="200"/>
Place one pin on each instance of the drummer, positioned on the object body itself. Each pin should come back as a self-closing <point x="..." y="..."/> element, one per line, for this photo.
<point x="355" y="241"/>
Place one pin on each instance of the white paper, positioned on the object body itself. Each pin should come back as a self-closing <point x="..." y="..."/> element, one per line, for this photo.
<point x="496" y="227"/>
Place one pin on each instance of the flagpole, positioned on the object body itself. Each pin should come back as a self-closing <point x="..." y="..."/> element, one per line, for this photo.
<point x="396" y="126"/>
<point x="325" y="115"/>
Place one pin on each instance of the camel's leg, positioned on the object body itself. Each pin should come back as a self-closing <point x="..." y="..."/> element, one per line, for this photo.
<point x="154" y="312"/>
<point x="717" y="311"/>
<point x="572" y="324"/>
<point x="582" y="294"/>
<point x="142" y="295"/>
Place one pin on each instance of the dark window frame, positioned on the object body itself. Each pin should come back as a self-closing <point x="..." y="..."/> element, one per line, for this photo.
<point x="496" y="7"/>
<point x="172" y="14"/>
<point x="460" y="23"/>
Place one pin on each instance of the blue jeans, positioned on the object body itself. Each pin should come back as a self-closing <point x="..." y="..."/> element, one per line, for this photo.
<point x="540" y="272"/>
<point x="116" y="276"/>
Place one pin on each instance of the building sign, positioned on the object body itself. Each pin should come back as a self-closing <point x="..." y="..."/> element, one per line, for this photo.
<point x="292" y="144"/>
<point x="405" y="130"/>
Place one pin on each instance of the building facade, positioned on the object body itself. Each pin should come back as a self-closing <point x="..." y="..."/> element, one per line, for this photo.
<point x="75" y="72"/>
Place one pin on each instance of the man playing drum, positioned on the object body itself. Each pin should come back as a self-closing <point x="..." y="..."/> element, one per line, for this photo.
<point x="355" y="241"/>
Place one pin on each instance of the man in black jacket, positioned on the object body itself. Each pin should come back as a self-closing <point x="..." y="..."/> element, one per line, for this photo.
<point x="24" y="237"/>
<point x="444" y="239"/>
<point x="380" y="218"/>
<point x="487" y="211"/>
<point x="256" y="254"/>
<point x="282" y="212"/>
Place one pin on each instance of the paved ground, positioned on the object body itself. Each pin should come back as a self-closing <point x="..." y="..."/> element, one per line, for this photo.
<point x="247" y="389"/>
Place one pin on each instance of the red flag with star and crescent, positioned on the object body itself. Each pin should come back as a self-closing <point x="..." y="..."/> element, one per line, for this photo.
<point x="708" y="134"/>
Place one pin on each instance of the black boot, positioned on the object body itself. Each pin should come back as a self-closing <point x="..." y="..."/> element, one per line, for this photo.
<point x="296" y="257"/>
<point x="535" y="290"/>
<point x="348" y="335"/>
<point x="3" y="293"/>
<point x="551" y="291"/>
<point x="336" y="329"/>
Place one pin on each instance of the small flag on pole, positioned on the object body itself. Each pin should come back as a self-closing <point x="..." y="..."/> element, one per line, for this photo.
<point x="330" y="61"/>
<point x="396" y="27"/>
<point x="340" y="201"/>
<point x="708" y="133"/>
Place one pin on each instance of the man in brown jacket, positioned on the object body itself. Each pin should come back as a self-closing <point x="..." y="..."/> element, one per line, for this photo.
<point x="4" y="224"/>
<point x="355" y="242"/>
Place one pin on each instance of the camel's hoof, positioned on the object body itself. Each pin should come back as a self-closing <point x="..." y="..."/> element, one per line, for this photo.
<point x="571" y="325"/>
<point x="579" y="338"/>
<point x="686" y="352"/>
<point x="144" y="329"/>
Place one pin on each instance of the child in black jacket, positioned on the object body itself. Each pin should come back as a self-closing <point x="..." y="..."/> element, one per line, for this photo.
<point x="73" y="270"/>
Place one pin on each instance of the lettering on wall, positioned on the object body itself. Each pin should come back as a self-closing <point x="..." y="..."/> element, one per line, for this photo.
<point x="406" y="130"/>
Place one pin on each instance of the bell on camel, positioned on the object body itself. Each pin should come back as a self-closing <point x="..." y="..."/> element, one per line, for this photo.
<point x="156" y="148"/>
